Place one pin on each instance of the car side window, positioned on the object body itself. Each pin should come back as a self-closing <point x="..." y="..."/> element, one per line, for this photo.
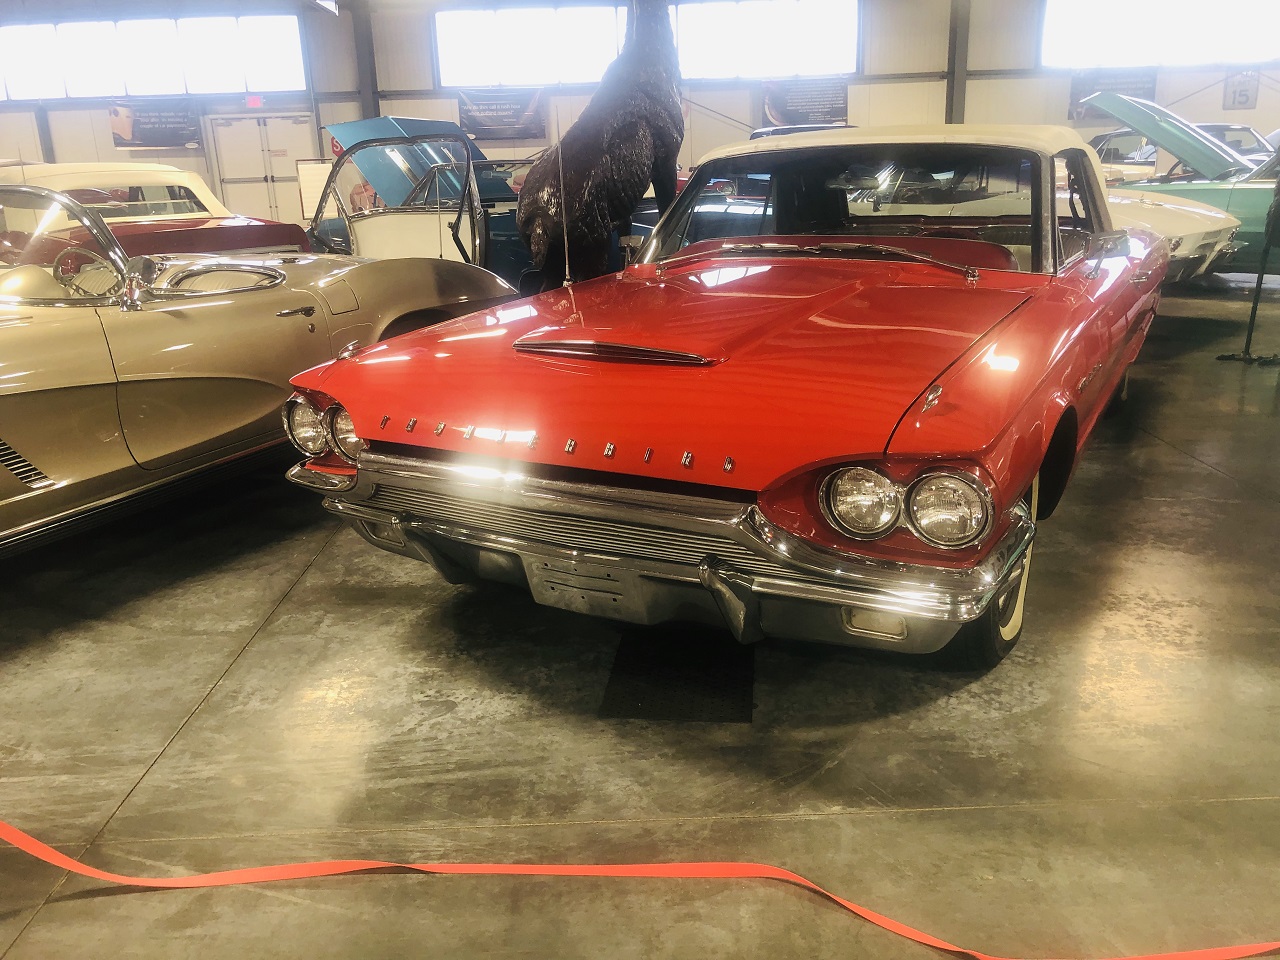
<point x="1126" y="148"/>
<point x="1073" y="219"/>
<point x="330" y="230"/>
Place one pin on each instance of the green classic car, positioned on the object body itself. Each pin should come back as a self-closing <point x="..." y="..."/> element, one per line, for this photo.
<point x="1206" y="170"/>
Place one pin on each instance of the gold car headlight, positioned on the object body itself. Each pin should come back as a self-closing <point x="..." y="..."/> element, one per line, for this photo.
<point x="305" y="426"/>
<point x="342" y="431"/>
<point x="862" y="502"/>
<point x="949" y="509"/>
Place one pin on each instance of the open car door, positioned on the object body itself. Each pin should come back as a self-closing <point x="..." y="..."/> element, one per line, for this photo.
<point x="396" y="197"/>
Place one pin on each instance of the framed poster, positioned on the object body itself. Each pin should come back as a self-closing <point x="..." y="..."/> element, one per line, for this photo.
<point x="510" y="114"/>
<point x="154" y="126"/>
<point x="788" y="102"/>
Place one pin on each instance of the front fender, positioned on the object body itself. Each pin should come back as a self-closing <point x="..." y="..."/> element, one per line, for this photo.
<point x="366" y="299"/>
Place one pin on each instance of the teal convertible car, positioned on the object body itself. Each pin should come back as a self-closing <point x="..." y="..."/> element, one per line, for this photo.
<point x="1206" y="170"/>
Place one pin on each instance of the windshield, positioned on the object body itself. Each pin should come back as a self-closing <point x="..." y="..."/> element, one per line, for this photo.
<point x="1267" y="170"/>
<point x="47" y="253"/>
<point x="1240" y="139"/>
<point x="430" y="173"/>
<point x="871" y="192"/>
<point x="123" y="201"/>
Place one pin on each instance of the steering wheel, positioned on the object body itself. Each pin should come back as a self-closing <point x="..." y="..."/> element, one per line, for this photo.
<point x="65" y="272"/>
<point x="1179" y="169"/>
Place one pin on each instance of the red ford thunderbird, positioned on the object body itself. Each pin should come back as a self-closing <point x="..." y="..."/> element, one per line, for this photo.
<point x="829" y="404"/>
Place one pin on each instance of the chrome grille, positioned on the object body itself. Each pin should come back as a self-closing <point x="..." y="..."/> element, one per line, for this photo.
<point x="22" y="468"/>
<point x="1208" y="241"/>
<point x="588" y="534"/>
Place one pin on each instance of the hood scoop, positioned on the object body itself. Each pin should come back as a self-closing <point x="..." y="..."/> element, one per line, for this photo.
<point x="614" y="352"/>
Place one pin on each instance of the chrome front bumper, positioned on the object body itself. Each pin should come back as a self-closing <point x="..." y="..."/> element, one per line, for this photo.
<point x="649" y="557"/>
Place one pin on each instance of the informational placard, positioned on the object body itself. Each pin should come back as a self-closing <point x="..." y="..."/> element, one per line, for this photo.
<point x="1128" y="83"/>
<point x="154" y="126"/>
<point x="788" y="102"/>
<point x="1240" y="92"/>
<point x="312" y="176"/>
<point x="515" y="114"/>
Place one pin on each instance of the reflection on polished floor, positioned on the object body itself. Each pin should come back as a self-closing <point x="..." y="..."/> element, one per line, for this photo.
<point x="241" y="681"/>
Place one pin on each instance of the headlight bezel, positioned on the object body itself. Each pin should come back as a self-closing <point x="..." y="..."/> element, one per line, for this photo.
<point x="331" y="415"/>
<point x="827" y="506"/>
<point x="294" y="402"/>
<point x="969" y="480"/>
<point x="906" y="482"/>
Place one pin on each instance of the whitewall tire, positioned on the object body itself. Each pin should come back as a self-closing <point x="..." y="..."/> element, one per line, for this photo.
<point x="984" y="642"/>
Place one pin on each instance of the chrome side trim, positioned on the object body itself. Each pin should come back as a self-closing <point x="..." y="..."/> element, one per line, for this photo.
<point x="174" y="283"/>
<point x="22" y="468"/>
<point x="56" y="526"/>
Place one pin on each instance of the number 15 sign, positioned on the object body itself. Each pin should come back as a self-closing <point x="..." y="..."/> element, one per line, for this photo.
<point x="1240" y="92"/>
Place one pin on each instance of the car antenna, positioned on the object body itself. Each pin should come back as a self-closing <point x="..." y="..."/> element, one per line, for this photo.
<point x="564" y="201"/>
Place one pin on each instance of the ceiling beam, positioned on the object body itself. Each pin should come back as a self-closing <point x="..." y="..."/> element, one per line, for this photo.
<point x="57" y="11"/>
<point x="957" y="60"/>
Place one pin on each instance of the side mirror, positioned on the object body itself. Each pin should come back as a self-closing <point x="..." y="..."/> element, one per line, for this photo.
<point x="1113" y="244"/>
<point x="631" y="246"/>
<point x="1103" y="245"/>
<point x="140" y="275"/>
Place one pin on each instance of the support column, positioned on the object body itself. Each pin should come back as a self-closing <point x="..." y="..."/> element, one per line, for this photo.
<point x="958" y="60"/>
<point x="366" y="70"/>
<point x="44" y="133"/>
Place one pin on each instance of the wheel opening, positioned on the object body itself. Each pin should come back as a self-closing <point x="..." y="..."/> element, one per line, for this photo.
<point x="1059" y="458"/>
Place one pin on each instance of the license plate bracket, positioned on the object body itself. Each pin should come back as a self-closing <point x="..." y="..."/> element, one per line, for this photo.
<point x="596" y="589"/>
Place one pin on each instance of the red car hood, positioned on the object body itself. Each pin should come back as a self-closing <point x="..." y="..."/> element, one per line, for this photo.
<point x="774" y="364"/>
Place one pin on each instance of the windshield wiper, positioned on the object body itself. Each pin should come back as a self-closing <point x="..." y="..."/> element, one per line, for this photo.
<point x="969" y="273"/>
<point x="765" y="247"/>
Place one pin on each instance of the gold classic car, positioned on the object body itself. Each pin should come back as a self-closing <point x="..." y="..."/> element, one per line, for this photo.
<point x="118" y="375"/>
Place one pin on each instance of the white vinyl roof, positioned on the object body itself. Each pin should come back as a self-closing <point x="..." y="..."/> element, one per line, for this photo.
<point x="1045" y="138"/>
<point x="73" y="176"/>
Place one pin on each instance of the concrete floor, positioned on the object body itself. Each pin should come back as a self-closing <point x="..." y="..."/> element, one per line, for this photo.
<point x="240" y="681"/>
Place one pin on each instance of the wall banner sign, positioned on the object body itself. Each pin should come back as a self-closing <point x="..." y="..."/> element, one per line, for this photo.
<point x="1240" y="92"/>
<point x="154" y="126"/>
<point x="805" y="101"/>
<point x="503" y="114"/>
<point x="1129" y="83"/>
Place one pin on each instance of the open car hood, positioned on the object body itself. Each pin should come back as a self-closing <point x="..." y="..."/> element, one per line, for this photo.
<point x="352" y="132"/>
<point x="1170" y="132"/>
<point x="723" y="372"/>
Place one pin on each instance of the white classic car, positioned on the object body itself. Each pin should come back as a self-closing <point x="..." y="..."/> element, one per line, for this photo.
<point x="1201" y="238"/>
<point x="154" y="208"/>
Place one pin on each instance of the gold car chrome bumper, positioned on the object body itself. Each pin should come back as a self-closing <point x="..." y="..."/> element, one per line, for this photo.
<point x="648" y="557"/>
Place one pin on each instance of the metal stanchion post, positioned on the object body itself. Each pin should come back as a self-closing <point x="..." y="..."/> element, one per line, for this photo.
<point x="1271" y="236"/>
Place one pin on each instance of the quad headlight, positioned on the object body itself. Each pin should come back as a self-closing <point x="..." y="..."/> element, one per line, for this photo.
<point x="944" y="509"/>
<point x="342" y="431"/>
<point x="862" y="502"/>
<point x="305" y="426"/>
<point x="949" y="509"/>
